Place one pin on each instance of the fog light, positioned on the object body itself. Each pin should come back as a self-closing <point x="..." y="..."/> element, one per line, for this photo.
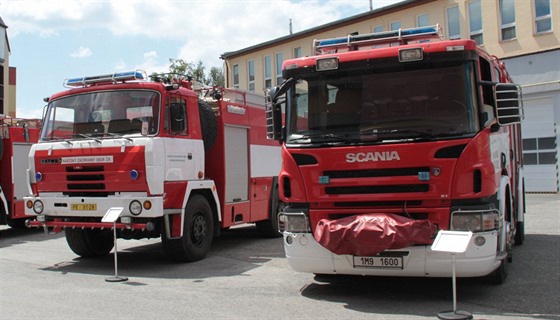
<point x="38" y="207"/>
<point x="289" y="239"/>
<point x="41" y="218"/>
<point x="126" y="220"/>
<point x="479" y="241"/>
<point x="135" y="207"/>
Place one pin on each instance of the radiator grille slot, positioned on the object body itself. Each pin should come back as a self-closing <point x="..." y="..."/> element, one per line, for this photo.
<point x="378" y="189"/>
<point x="376" y="173"/>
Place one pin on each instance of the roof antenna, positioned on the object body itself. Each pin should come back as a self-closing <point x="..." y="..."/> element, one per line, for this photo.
<point x="290" y="26"/>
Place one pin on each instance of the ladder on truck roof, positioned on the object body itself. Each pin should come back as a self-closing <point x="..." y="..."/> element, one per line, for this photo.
<point x="355" y="42"/>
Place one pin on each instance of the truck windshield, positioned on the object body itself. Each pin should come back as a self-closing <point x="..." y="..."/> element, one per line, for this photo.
<point x="383" y="107"/>
<point x="103" y="114"/>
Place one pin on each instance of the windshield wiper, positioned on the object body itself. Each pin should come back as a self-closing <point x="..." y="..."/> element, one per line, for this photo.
<point x="114" y="135"/>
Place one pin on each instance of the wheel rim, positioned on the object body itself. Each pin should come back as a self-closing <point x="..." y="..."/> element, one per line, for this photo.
<point x="199" y="228"/>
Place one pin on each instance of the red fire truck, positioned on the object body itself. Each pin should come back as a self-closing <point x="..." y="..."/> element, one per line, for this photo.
<point x="179" y="164"/>
<point x="16" y="137"/>
<point x="388" y="138"/>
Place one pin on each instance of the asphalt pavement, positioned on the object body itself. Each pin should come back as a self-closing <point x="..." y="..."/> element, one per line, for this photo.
<point x="247" y="277"/>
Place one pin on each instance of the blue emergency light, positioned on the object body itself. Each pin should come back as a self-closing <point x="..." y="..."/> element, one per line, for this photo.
<point x="353" y="42"/>
<point x="106" y="78"/>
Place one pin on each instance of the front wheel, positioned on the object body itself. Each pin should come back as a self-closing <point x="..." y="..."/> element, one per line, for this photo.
<point x="89" y="243"/>
<point x="269" y="228"/>
<point x="198" y="232"/>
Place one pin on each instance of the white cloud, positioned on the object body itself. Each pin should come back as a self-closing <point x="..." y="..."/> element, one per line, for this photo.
<point x="81" y="52"/>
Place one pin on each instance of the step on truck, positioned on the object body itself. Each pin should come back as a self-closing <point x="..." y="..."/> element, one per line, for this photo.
<point x="388" y="138"/>
<point x="16" y="137"/>
<point x="181" y="164"/>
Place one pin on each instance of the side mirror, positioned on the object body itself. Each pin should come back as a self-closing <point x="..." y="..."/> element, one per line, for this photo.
<point x="177" y="117"/>
<point x="273" y="109"/>
<point x="509" y="104"/>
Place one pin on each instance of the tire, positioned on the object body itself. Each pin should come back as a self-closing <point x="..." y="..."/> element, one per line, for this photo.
<point x="198" y="232"/>
<point x="269" y="228"/>
<point x="89" y="243"/>
<point x="208" y="124"/>
<point x="16" y="223"/>
<point x="520" y="233"/>
<point x="499" y="276"/>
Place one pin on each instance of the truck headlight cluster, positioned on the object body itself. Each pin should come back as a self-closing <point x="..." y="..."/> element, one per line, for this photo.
<point x="37" y="206"/>
<point x="295" y="222"/>
<point x="475" y="221"/>
<point x="135" y="207"/>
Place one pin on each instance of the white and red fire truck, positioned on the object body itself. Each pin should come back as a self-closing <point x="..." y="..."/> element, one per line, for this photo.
<point x="388" y="138"/>
<point x="16" y="137"/>
<point x="178" y="165"/>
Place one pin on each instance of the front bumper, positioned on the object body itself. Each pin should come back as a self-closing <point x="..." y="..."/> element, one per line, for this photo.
<point x="305" y="254"/>
<point x="56" y="205"/>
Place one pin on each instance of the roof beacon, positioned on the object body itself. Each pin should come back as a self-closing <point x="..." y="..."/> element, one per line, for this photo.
<point x="106" y="78"/>
<point x="351" y="43"/>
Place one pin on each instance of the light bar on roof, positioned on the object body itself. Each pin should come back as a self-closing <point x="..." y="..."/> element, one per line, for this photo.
<point x="353" y="42"/>
<point x="108" y="78"/>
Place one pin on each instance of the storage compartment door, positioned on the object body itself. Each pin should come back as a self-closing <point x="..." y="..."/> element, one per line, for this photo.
<point x="237" y="164"/>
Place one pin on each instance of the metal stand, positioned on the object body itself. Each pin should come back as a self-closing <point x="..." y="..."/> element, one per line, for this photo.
<point x="453" y="242"/>
<point x="112" y="215"/>
<point x="454" y="314"/>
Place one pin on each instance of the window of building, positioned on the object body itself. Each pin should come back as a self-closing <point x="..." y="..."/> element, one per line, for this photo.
<point x="538" y="151"/>
<point x="236" y="76"/>
<point x="251" y="75"/>
<point x="543" y="20"/>
<point x="395" y="25"/>
<point x="378" y="29"/>
<point x="423" y="20"/>
<point x="507" y="16"/>
<point x="297" y="52"/>
<point x="2" y="44"/>
<point x="453" y="23"/>
<point x="475" y="21"/>
<point x="279" y="61"/>
<point x="267" y="72"/>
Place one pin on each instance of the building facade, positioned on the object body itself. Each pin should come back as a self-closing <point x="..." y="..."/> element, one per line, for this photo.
<point x="8" y="78"/>
<point x="522" y="33"/>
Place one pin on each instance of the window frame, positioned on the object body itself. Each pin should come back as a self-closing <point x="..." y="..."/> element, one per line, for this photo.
<point x="506" y="27"/>
<point x="251" y="75"/>
<point x="267" y="61"/>
<point x="474" y="33"/>
<point x="458" y="23"/>
<point x="537" y="19"/>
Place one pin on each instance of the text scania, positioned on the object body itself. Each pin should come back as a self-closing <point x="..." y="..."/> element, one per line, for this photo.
<point x="372" y="156"/>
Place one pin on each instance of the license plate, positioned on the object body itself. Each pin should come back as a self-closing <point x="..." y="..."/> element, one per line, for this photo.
<point x="378" y="262"/>
<point x="84" y="207"/>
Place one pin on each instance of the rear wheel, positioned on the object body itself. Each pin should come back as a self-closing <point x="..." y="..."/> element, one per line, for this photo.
<point x="208" y="124"/>
<point x="198" y="231"/>
<point x="499" y="276"/>
<point x="89" y="243"/>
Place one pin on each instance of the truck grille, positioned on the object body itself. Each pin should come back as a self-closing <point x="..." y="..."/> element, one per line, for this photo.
<point x="85" y="178"/>
<point x="378" y="189"/>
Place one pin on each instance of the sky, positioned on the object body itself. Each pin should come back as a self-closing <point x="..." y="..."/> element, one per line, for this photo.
<point x="53" y="40"/>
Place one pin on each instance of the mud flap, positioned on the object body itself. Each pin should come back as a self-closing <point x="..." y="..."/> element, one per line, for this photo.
<point x="370" y="234"/>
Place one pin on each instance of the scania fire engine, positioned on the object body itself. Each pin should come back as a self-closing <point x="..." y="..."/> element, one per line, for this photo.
<point x="175" y="162"/>
<point x="16" y="137"/>
<point x="388" y="138"/>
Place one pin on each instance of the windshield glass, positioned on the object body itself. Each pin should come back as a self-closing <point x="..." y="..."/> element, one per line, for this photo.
<point x="103" y="114"/>
<point x="361" y="107"/>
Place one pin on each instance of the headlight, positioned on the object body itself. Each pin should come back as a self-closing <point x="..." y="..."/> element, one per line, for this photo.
<point x="135" y="207"/>
<point x="294" y="222"/>
<point x="38" y="207"/>
<point x="475" y="221"/>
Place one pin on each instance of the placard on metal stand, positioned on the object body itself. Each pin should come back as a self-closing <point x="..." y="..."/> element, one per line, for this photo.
<point x="112" y="215"/>
<point x="453" y="242"/>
